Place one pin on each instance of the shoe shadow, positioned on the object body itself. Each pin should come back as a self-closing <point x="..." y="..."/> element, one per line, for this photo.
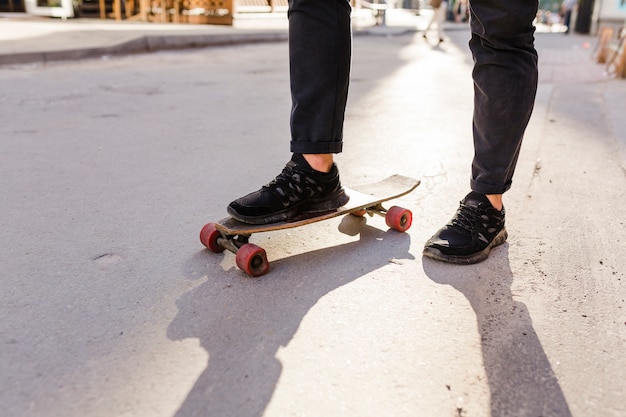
<point x="520" y="377"/>
<point x="242" y="322"/>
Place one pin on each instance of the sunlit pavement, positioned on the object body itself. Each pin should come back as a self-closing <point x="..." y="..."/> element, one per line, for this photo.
<point x="110" y="305"/>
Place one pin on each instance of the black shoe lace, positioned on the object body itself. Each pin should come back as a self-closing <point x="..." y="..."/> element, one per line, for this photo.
<point x="466" y="217"/>
<point x="290" y="184"/>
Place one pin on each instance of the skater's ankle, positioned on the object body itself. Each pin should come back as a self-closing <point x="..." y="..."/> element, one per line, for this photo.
<point x="320" y="162"/>
<point x="495" y="200"/>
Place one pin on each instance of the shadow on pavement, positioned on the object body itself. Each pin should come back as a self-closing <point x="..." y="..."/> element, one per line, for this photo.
<point x="520" y="377"/>
<point x="242" y="322"/>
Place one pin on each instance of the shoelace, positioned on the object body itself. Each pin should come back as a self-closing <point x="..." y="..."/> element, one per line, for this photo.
<point x="466" y="217"/>
<point x="288" y="179"/>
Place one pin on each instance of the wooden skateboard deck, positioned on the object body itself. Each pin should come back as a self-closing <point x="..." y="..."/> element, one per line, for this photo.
<point x="233" y="235"/>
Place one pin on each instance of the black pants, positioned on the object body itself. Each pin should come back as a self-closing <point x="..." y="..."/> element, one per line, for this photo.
<point x="505" y="81"/>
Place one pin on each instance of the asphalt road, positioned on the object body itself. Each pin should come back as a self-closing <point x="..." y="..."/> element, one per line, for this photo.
<point x="110" y="306"/>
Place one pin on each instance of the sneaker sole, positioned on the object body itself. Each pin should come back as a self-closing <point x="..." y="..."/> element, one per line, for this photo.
<point x="303" y="209"/>
<point x="474" y="258"/>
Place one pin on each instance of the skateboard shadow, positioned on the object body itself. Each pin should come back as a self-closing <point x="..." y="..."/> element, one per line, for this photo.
<point x="520" y="377"/>
<point x="242" y="322"/>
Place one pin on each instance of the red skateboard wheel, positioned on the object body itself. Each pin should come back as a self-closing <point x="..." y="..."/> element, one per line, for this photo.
<point x="399" y="218"/>
<point x="252" y="260"/>
<point x="209" y="235"/>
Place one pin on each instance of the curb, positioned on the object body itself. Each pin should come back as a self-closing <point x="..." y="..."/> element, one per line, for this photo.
<point x="153" y="43"/>
<point x="144" y="44"/>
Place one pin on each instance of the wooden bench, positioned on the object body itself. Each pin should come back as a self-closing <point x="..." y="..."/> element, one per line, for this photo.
<point x="602" y="49"/>
<point x="129" y="7"/>
<point x="611" y="52"/>
<point x="217" y="12"/>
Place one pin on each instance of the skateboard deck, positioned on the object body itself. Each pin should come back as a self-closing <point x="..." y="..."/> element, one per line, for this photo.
<point x="233" y="235"/>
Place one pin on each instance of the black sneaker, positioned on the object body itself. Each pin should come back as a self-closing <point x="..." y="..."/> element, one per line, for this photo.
<point x="474" y="230"/>
<point x="298" y="191"/>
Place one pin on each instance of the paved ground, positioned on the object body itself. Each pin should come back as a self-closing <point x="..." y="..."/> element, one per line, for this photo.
<point x="109" y="305"/>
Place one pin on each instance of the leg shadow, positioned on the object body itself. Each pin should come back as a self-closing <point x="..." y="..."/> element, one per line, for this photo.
<point x="520" y="377"/>
<point x="242" y="322"/>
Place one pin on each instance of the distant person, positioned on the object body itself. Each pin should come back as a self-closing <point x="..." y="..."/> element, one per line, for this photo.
<point x="411" y="5"/>
<point x="554" y="21"/>
<point x="567" y="7"/>
<point x="440" y="8"/>
<point x="460" y="10"/>
<point x="505" y="79"/>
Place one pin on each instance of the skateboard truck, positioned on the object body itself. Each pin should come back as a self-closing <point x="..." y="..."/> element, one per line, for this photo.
<point x="249" y="257"/>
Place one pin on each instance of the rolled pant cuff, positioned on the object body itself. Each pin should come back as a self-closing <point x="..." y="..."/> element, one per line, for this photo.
<point x="486" y="189"/>
<point x="316" y="147"/>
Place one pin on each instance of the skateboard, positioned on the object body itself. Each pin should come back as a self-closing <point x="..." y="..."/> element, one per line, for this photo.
<point x="234" y="235"/>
